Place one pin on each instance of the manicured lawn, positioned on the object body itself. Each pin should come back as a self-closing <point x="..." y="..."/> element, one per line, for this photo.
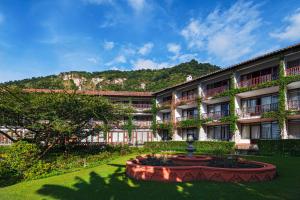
<point x="109" y="182"/>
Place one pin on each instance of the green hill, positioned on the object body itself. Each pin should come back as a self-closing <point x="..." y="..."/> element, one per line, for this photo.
<point x="138" y="80"/>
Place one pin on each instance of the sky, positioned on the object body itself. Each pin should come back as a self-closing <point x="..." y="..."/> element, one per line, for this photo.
<point x="44" y="37"/>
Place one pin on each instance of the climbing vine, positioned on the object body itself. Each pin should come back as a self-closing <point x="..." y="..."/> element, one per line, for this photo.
<point x="154" y="111"/>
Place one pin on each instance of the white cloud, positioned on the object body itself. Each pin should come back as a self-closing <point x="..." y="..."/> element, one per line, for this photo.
<point x="226" y="34"/>
<point x="117" y="60"/>
<point x="174" y="48"/>
<point x="291" y="31"/>
<point x="93" y="60"/>
<point x="149" y="64"/>
<point x="146" y="48"/>
<point x="108" y="45"/>
<point x="137" y="5"/>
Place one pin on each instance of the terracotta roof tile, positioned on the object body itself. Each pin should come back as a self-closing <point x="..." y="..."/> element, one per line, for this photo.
<point x="95" y="92"/>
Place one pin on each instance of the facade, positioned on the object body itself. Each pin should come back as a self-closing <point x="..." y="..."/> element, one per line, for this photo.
<point x="255" y="99"/>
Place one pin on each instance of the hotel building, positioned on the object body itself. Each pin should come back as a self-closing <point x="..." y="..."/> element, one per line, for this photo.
<point x="255" y="99"/>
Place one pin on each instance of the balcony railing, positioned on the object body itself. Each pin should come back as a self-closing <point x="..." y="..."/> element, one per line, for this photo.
<point x="179" y="119"/>
<point x="142" y="123"/>
<point x="215" y="91"/>
<point x="257" y="110"/>
<point x="165" y="121"/>
<point x="186" y="99"/>
<point x="294" y="104"/>
<point x="165" y="104"/>
<point x="141" y="106"/>
<point x="257" y="80"/>
<point x="215" y="115"/>
<point x="293" y="71"/>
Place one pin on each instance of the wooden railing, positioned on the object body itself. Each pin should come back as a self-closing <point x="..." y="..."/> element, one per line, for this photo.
<point x="294" y="104"/>
<point x="215" y="115"/>
<point x="141" y="106"/>
<point x="293" y="71"/>
<point x="186" y="99"/>
<point x="165" y="103"/>
<point x="214" y="91"/>
<point x="257" y="80"/>
<point x="187" y="117"/>
<point x="257" y="110"/>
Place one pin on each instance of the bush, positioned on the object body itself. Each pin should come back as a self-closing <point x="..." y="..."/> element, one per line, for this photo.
<point x="38" y="170"/>
<point x="280" y="147"/>
<point x="210" y="147"/>
<point x="22" y="155"/>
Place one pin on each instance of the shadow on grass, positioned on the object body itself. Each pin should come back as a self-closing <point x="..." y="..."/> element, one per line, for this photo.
<point x="117" y="186"/>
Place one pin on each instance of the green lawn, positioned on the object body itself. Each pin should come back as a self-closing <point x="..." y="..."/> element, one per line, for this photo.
<point x="109" y="182"/>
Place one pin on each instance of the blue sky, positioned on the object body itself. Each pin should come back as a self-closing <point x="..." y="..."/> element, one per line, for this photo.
<point x="43" y="37"/>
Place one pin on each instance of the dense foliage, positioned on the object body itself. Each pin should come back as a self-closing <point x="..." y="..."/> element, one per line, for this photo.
<point x="153" y="79"/>
<point x="286" y="147"/>
<point x="219" y="147"/>
<point x="56" y="119"/>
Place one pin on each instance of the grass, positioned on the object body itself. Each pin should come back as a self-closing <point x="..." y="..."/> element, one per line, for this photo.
<point x="109" y="182"/>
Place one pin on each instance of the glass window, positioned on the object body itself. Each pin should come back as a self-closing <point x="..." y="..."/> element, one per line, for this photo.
<point x="266" y="131"/>
<point x="255" y="132"/>
<point x="275" y="131"/>
<point x="245" y="132"/>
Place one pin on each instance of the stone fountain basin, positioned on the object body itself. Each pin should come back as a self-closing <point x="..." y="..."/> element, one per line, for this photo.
<point x="198" y="172"/>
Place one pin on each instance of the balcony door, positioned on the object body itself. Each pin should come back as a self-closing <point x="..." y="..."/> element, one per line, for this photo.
<point x="189" y="113"/>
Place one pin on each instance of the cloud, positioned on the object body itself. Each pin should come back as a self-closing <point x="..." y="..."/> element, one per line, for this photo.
<point x="225" y="34"/>
<point x="137" y="5"/>
<point x="93" y="60"/>
<point x="146" y="48"/>
<point x="117" y="60"/>
<point x="108" y="45"/>
<point x="291" y="31"/>
<point x="174" y="48"/>
<point x="149" y="64"/>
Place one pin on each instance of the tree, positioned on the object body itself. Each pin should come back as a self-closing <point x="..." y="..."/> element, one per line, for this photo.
<point x="55" y="118"/>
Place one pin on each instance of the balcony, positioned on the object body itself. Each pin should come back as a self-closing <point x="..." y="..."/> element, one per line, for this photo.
<point x="141" y="107"/>
<point x="179" y="119"/>
<point x="215" y="115"/>
<point x="142" y="124"/>
<point x="214" y="91"/>
<point x="165" y="105"/>
<point x="294" y="105"/>
<point x="165" y="121"/>
<point x="257" y="80"/>
<point x="257" y="110"/>
<point x="293" y="71"/>
<point x="186" y="99"/>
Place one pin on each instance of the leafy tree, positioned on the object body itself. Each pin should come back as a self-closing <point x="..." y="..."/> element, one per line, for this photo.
<point x="56" y="118"/>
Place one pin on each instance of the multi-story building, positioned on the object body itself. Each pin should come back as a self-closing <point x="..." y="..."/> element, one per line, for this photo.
<point x="255" y="99"/>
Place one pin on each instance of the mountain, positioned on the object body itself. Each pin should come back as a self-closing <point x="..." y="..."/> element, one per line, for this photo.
<point x="135" y="80"/>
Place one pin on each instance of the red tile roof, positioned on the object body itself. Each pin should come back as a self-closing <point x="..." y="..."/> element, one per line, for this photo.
<point x="95" y="92"/>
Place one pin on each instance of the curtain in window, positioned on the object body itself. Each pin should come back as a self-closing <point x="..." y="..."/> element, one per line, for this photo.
<point x="275" y="131"/>
<point x="266" y="131"/>
<point x="245" y="132"/>
<point x="255" y="132"/>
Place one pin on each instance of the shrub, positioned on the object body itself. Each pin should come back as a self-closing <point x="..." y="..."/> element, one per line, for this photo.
<point x="38" y="170"/>
<point x="272" y="147"/>
<point x="210" y="147"/>
<point x="22" y="156"/>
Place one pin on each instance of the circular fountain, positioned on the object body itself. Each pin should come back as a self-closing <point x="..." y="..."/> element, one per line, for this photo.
<point x="185" y="168"/>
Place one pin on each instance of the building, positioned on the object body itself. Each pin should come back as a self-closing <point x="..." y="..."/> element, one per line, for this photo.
<point x="255" y="99"/>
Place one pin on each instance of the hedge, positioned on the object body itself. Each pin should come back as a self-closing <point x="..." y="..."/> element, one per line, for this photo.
<point x="210" y="147"/>
<point x="281" y="147"/>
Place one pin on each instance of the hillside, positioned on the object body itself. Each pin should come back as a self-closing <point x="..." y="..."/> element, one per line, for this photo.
<point x="139" y="80"/>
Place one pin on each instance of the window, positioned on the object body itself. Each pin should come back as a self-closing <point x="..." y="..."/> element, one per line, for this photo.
<point x="218" y="84"/>
<point x="218" y="132"/>
<point x="260" y="105"/>
<point x="267" y="130"/>
<point x="190" y="131"/>
<point x="189" y="113"/>
<point x="189" y="93"/>
<point x="166" y="99"/>
<point x="272" y="70"/>
<point x="166" y="116"/>
<point x="293" y="63"/>
<point x="218" y="109"/>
